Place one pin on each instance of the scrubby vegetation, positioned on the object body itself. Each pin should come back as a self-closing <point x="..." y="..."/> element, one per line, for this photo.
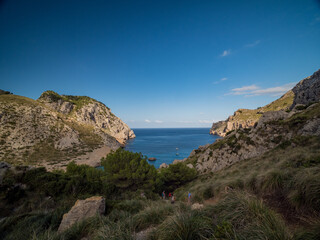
<point x="273" y="196"/>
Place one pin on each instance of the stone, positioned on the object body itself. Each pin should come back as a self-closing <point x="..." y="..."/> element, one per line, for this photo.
<point x="164" y="165"/>
<point x="190" y="165"/>
<point x="196" y="206"/>
<point x="82" y="210"/>
<point x="307" y="90"/>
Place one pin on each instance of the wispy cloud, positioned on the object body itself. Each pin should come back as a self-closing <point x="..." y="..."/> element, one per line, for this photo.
<point x="245" y="89"/>
<point x="253" y="44"/>
<point x="226" y="53"/>
<point x="158" y="121"/>
<point x="147" y="121"/>
<point x="221" y="80"/>
<point x="254" y="90"/>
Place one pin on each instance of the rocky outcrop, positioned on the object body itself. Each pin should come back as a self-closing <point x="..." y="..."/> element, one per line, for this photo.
<point x="56" y="129"/>
<point x="164" y="165"/>
<point x="88" y="111"/>
<point x="272" y="130"/>
<point x="82" y="210"/>
<point x="274" y="127"/>
<point x="307" y="90"/>
<point x="247" y="118"/>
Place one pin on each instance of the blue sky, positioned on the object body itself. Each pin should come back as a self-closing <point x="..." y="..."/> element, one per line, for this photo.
<point x="160" y="63"/>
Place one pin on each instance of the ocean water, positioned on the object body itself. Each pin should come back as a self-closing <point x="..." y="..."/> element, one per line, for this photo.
<point x="168" y="144"/>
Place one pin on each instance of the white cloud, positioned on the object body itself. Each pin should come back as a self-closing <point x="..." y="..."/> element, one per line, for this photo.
<point x="221" y="80"/>
<point x="253" y="44"/>
<point x="245" y="88"/>
<point x="158" y="121"/>
<point x="226" y="53"/>
<point x="147" y="121"/>
<point x="206" y="121"/>
<point x="254" y="90"/>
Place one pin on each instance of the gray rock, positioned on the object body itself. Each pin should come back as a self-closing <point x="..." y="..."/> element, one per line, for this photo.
<point x="190" y="165"/>
<point x="307" y="90"/>
<point x="82" y="210"/>
<point x="164" y="165"/>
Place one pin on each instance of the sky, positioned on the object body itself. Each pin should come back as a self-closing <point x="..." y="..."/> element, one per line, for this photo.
<point x="160" y="63"/>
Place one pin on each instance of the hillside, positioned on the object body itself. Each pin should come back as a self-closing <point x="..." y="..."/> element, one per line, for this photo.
<point x="55" y="129"/>
<point x="245" y="118"/>
<point x="274" y="128"/>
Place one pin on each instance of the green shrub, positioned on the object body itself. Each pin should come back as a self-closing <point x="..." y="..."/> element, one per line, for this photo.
<point x="128" y="170"/>
<point x="175" y="176"/>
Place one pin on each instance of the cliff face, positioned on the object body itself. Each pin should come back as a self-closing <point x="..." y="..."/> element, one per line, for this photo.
<point x="273" y="129"/>
<point x="56" y="128"/>
<point x="90" y="112"/>
<point x="246" y="118"/>
<point x="307" y="90"/>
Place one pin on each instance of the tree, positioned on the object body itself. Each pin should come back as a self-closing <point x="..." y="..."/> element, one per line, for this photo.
<point x="175" y="176"/>
<point x="128" y="170"/>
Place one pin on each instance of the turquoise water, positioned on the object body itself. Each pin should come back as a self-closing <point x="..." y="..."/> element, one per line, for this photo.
<point x="162" y="143"/>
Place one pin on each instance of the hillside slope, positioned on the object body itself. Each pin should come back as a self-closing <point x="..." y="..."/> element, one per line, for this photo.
<point x="245" y="118"/>
<point x="55" y="129"/>
<point x="274" y="128"/>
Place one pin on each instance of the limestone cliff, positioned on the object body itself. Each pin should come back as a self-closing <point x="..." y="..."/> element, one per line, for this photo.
<point x="246" y="118"/>
<point x="307" y="90"/>
<point x="297" y="125"/>
<point x="88" y="111"/>
<point x="55" y="129"/>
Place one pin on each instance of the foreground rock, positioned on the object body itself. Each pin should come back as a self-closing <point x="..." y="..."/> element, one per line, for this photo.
<point x="82" y="210"/>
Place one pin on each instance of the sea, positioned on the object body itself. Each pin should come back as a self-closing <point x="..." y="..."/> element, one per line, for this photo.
<point x="168" y="144"/>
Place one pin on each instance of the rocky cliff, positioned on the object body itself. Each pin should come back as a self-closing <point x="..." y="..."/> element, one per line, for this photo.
<point x="272" y="129"/>
<point x="246" y="118"/>
<point x="55" y="128"/>
<point x="307" y="90"/>
<point x="90" y="112"/>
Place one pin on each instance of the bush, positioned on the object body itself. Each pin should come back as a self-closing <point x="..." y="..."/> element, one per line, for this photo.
<point x="175" y="176"/>
<point x="129" y="171"/>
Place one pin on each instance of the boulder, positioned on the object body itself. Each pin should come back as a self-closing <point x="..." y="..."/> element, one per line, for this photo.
<point x="196" y="206"/>
<point x="82" y="210"/>
<point x="164" y="165"/>
<point x="190" y="165"/>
